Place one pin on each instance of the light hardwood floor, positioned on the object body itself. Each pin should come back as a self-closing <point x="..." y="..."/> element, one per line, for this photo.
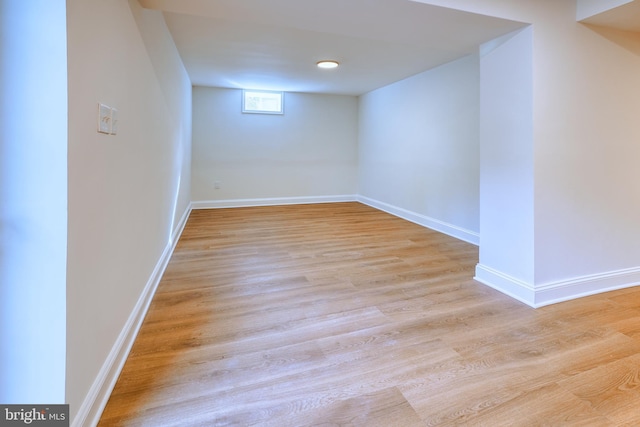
<point x="342" y="315"/>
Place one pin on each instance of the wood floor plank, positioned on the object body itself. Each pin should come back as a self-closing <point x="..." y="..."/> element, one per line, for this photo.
<point x="340" y="314"/>
<point x="548" y="405"/>
<point x="612" y="389"/>
<point x="386" y="408"/>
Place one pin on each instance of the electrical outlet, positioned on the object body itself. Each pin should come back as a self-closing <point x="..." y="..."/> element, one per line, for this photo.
<point x="216" y="185"/>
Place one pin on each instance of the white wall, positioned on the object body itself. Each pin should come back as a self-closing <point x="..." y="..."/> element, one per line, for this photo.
<point x="419" y="148"/>
<point x="126" y="191"/>
<point x="506" y="164"/>
<point x="33" y="201"/>
<point x="586" y="86"/>
<point x="176" y="90"/>
<point x="586" y="134"/>
<point x="310" y="151"/>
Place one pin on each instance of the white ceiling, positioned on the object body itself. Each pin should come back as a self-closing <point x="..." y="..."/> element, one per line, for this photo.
<point x="625" y="17"/>
<point x="275" y="44"/>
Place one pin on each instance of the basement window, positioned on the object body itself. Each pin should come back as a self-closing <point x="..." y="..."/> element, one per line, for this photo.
<point x="262" y="102"/>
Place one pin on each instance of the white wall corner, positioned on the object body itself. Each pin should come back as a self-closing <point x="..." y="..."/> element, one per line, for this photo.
<point x="515" y="288"/>
<point x="425" y="221"/>
<point x="98" y="396"/>
<point x="487" y="47"/>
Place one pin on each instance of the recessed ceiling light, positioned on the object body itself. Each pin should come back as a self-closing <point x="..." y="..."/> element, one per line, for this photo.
<point x="328" y="64"/>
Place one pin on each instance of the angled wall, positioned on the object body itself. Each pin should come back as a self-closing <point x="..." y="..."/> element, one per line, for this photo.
<point x="128" y="192"/>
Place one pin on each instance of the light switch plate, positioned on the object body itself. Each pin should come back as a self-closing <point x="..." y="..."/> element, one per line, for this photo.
<point x="104" y="118"/>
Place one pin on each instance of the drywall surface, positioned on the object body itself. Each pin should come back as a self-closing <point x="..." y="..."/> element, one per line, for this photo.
<point x="506" y="159"/>
<point x="587" y="95"/>
<point x="125" y="190"/>
<point x="419" y="144"/>
<point x="176" y="89"/>
<point x="309" y="151"/>
<point x="586" y="87"/>
<point x="33" y="201"/>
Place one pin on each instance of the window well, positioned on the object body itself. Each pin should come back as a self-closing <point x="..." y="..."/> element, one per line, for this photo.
<point x="262" y="102"/>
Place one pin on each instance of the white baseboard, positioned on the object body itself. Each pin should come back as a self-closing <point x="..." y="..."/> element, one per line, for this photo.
<point x="515" y="288"/>
<point x="559" y="291"/>
<point x="564" y="290"/>
<point x="100" y="391"/>
<point x="238" y="203"/>
<point x="425" y="221"/>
